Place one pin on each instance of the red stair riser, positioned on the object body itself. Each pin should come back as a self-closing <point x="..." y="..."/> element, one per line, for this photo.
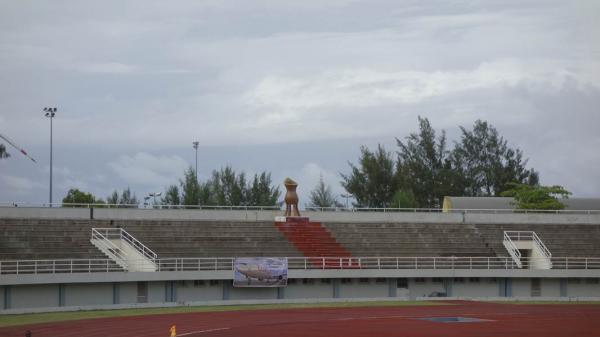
<point x="313" y="240"/>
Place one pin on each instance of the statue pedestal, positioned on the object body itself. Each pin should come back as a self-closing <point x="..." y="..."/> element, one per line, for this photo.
<point x="293" y="219"/>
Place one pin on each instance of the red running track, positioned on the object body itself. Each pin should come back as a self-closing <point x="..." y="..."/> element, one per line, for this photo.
<point x="504" y="320"/>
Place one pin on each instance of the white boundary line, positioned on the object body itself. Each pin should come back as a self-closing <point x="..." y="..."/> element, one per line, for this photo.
<point x="201" y="331"/>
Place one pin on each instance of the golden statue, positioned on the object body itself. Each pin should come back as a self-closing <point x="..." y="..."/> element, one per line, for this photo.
<point x="291" y="198"/>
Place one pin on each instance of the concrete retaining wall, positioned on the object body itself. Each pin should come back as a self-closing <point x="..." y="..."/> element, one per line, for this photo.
<point x="90" y="296"/>
<point x="252" y="215"/>
<point x="510" y="218"/>
<point x="44" y="213"/>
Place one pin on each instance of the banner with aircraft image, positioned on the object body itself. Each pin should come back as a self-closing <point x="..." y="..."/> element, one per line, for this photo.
<point x="260" y="272"/>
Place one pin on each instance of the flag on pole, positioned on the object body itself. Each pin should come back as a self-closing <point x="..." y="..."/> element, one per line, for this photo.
<point x="16" y="147"/>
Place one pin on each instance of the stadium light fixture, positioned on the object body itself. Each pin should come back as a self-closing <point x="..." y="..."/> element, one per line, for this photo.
<point x="50" y="113"/>
<point x="154" y="195"/>
<point x="346" y="196"/>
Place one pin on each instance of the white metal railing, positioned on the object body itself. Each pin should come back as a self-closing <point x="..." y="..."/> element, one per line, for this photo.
<point x="139" y="246"/>
<point x="512" y="249"/>
<point x="528" y="236"/>
<point x="541" y="245"/>
<point x="59" y="266"/>
<point x="296" y="263"/>
<point x="519" y="235"/>
<point x="314" y="209"/>
<point x="121" y="234"/>
<point x="140" y="206"/>
<point x="114" y="252"/>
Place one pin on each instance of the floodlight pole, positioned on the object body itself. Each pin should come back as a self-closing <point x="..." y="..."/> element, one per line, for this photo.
<point x="50" y="113"/>
<point x="196" y="143"/>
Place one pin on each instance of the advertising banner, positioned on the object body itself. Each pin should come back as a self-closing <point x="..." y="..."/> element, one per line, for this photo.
<point x="260" y="272"/>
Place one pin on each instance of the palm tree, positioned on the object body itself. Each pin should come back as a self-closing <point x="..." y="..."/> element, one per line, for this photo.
<point x="3" y="153"/>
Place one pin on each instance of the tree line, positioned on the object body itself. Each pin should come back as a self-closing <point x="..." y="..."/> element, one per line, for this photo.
<point x="225" y="187"/>
<point x="77" y="198"/>
<point x="425" y="168"/>
<point x="419" y="174"/>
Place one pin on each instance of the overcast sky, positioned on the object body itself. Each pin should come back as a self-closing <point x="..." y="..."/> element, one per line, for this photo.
<point x="291" y="87"/>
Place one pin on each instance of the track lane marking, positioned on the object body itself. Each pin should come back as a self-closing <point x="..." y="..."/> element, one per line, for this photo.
<point x="197" y="332"/>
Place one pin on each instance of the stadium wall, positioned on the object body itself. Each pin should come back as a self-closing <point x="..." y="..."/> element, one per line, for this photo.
<point x="475" y="217"/>
<point x="107" y="295"/>
<point x="28" y="292"/>
<point x="120" y="277"/>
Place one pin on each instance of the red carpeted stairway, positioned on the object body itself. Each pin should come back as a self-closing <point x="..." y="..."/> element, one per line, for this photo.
<point x="316" y="242"/>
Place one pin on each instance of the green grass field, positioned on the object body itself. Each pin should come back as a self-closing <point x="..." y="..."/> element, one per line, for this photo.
<point x="26" y="319"/>
<point x="548" y="302"/>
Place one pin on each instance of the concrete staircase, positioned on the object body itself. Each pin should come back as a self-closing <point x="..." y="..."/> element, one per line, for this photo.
<point x="528" y="243"/>
<point x="573" y="240"/>
<point x="127" y="251"/>
<point x="316" y="242"/>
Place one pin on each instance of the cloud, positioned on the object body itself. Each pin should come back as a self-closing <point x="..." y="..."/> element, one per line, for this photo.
<point x="308" y="176"/>
<point x="58" y="170"/>
<point x="107" y="68"/>
<point x="69" y="183"/>
<point x="20" y="185"/>
<point x="272" y="72"/>
<point x="372" y="88"/>
<point x="312" y="173"/>
<point x="149" y="170"/>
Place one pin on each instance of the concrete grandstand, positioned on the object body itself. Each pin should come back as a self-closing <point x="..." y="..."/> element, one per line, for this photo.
<point x="74" y="258"/>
